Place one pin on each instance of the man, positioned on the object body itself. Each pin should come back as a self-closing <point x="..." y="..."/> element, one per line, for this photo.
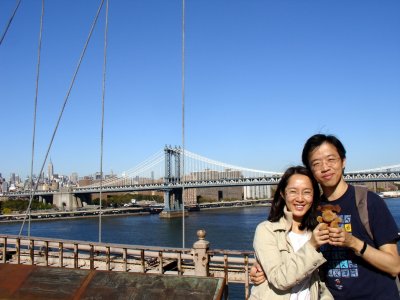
<point x="358" y="266"/>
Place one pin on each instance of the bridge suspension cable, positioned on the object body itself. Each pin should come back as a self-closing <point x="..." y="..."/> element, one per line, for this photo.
<point x="224" y="166"/>
<point x="9" y="22"/>
<point x="183" y="123"/>
<point x="28" y="211"/>
<point x="380" y="169"/>
<point x="62" y="110"/>
<point x="102" y="115"/>
<point x="196" y="166"/>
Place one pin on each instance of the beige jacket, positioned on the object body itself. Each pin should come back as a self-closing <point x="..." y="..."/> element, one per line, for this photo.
<point x="283" y="267"/>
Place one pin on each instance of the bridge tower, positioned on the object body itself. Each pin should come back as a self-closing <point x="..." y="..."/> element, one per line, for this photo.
<point x="173" y="196"/>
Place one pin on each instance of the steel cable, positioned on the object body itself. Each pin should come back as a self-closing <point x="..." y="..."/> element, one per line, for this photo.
<point x="102" y="116"/>
<point x="62" y="110"/>
<point x="183" y="125"/>
<point x="9" y="21"/>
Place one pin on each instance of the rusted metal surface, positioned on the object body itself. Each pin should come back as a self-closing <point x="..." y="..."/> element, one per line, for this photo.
<point x="33" y="282"/>
<point x="233" y="265"/>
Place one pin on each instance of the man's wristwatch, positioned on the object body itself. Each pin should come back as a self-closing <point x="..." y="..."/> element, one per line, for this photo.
<point x="362" y="250"/>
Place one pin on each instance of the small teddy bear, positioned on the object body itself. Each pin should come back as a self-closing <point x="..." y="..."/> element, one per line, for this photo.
<point x="329" y="216"/>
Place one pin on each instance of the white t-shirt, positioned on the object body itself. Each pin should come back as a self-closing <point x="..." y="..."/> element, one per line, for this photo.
<point x="300" y="291"/>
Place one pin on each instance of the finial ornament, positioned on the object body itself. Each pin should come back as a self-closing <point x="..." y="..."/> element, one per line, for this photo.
<point x="201" y="234"/>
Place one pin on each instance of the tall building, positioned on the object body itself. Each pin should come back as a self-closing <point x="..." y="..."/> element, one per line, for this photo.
<point x="12" y="178"/>
<point x="74" y="178"/>
<point x="50" y="170"/>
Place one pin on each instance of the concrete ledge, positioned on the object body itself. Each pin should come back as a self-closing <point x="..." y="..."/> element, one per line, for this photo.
<point x="173" y="214"/>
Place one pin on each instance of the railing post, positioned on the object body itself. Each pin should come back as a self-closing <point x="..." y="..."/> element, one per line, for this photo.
<point x="18" y="248"/>
<point x="108" y="259"/>
<point x="201" y="258"/>
<point x="226" y="291"/>
<point x="161" y="265"/>
<point x="180" y="271"/>
<point x="91" y="257"/>
<point x="46" y="253"/>
<point x="125" y="259"/>
<point x="76" y="258"/>
<point x="32" y="251"/>
<point x="61" y="254"/>
<point x="246" y="278"/>
<point x="4" y="250"/>
<point x="142" y="261"/>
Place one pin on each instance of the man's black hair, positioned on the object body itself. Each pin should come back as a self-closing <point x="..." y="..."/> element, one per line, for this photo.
<point x="317" y="140"/>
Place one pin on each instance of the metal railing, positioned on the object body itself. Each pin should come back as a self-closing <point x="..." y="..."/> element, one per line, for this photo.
<point x="197" y="261"/>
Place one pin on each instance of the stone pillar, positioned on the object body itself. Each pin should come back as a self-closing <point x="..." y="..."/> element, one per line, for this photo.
<point x="201" y="258"/>
<point x="167" y="200"/>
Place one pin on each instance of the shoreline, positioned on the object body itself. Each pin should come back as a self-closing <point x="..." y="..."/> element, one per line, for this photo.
<point x="115" y="212"/>
<point x="143" y="211"/>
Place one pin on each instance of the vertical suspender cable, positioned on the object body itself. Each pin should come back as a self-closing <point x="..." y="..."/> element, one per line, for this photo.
<point x="102" y="116"/>
<point x="9" y="22"/>
<point x="62" y="111"/>
<point x="34" y="117"/>
<point x="183" y="124"/>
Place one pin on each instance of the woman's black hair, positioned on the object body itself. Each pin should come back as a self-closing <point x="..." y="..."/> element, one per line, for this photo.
<point x="317" y="140"/>
<point x="309" y="220"/>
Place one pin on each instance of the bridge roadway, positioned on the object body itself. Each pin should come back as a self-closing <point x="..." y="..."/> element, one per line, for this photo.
<point x="272" y="180"/>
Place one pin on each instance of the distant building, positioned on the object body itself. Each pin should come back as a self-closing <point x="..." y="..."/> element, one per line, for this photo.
<point x="74" y="178"/>
<point x="4" y="187"/>
<point x="12" y="178"/>
<point x="195" y="195"/>
<point x="86" y="180"/>
<point x="50" y="170"/>
<point x="256" y="192"/>
<point x="212" y="194"/>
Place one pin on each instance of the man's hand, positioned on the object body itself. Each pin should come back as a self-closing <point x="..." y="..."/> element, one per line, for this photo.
<point x="340" y="238"/>
<point x="257" y="275"/>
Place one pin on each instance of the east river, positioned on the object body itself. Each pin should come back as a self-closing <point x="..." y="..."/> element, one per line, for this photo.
<point x="227" y="228"/>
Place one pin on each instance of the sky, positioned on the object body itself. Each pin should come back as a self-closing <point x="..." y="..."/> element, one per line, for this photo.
<point x="260" y="77"/>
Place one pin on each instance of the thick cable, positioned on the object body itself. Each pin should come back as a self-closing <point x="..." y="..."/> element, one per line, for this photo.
<point x="102" y="116"/>
<point x="34" y="115"/>
<point x="9" y="22"/>
<point x="62" y="110"/>
<point x="183" y="125"/>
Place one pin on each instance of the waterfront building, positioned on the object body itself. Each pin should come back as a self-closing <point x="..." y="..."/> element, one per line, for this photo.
<point x="193" y="196"/>
<point x="257" y="192"/>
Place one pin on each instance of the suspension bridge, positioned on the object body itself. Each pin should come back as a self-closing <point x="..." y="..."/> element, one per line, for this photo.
<point x="178" y="173"/>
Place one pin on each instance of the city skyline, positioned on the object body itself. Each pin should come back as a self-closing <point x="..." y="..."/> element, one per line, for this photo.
<point x="260" y="78"/>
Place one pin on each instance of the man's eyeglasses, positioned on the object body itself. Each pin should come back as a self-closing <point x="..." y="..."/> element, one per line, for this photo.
<point x="317" y="165"/>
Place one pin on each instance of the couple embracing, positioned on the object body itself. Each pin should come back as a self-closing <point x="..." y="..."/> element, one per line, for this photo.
<point x="301" y="259"/>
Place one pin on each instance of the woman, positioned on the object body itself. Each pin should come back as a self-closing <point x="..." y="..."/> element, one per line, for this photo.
<point x="286" y="245"/>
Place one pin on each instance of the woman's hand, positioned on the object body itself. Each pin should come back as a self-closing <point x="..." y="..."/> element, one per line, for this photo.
<point x="320" y="236"/>
<point x="257" y="275"/>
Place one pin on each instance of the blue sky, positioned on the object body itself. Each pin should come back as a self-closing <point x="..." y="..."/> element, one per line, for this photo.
<point x="261" y="77"/>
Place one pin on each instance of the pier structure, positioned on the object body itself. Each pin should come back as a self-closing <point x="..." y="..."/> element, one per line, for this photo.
<point x="230" y="266"/>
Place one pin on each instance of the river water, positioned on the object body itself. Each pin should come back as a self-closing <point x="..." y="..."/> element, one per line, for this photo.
<point x="227" y="228"/>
